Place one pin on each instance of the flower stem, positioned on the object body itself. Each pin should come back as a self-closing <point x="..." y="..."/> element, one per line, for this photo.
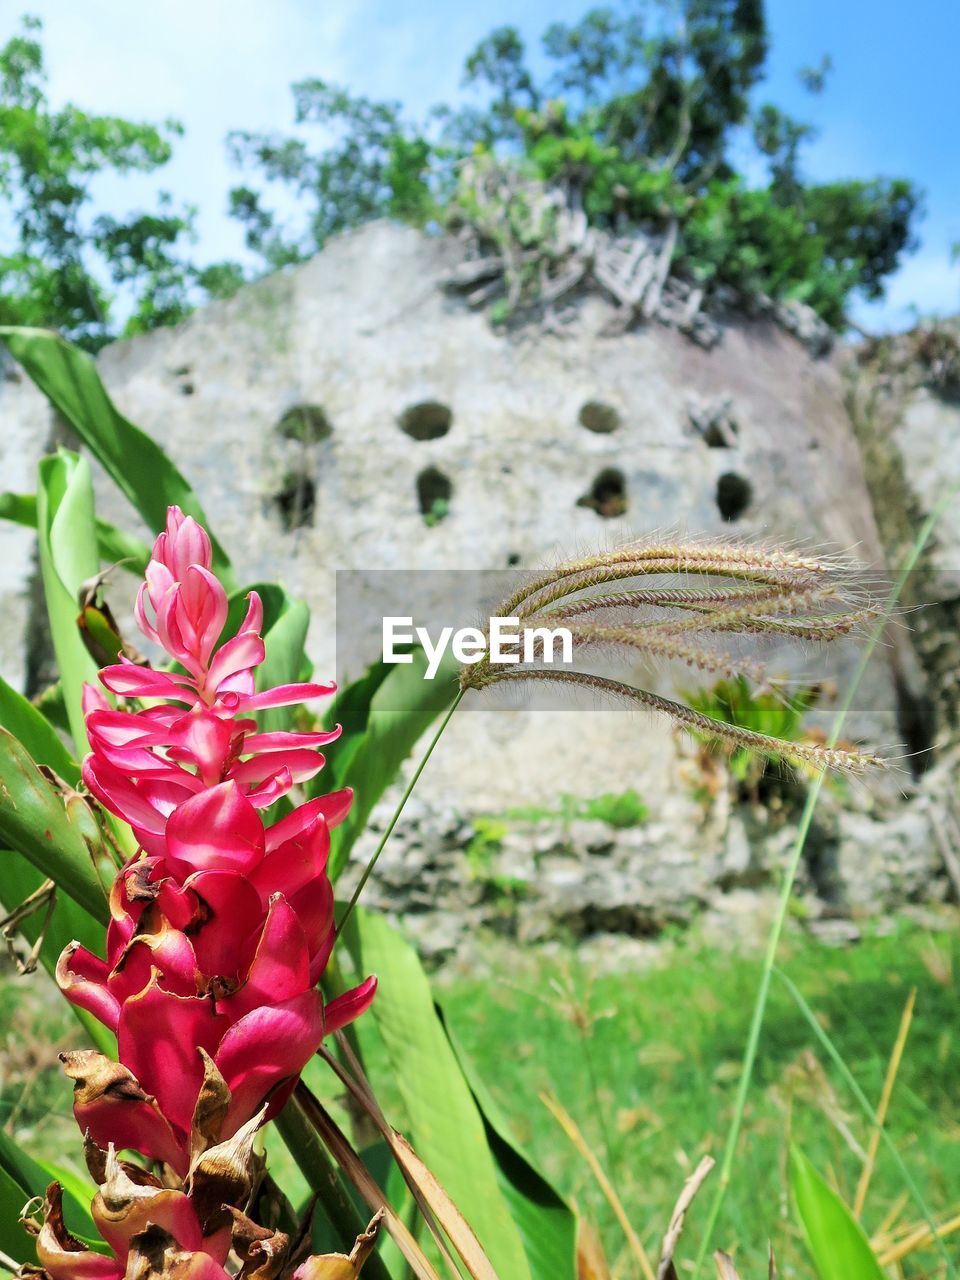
<point x="348" y="911"/>
<point x="786" y="890"/>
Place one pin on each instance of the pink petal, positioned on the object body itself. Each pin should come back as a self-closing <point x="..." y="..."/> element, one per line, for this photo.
<point x="334" y="807"/>
<point x="133" y="681"/>
<point x="302" y="764"/>
<point x="296" y="861"/>
<point x="285" y="695"/>
<point x="281" y="965"/>
<point x="217" y="830"/>
<point x="256" y="742"/>
<point x="158" y="1037"/>
<point x="314" y="907"/>
<point x="203" y="739"/>
<point x="349" y="1006"/>
<point x="253" y="620"/>
<point x="168" y="951"/>
<point x="172" y="1211"/>
<point x="239" y="654"/>
<point x="187" y="543"/>
<point x="119" y="1111"/>
<point x="92" y="699"/>
<point x="271" y="791"/>
<point x="230" y="910"/>
<point x="82" y="977"/>
<point x="204" y="602"/>
<point x="141" y="615"/>
<point x="268" y="1046"/>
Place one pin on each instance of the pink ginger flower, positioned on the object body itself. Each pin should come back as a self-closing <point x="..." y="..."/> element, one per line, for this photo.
<point x="219" y="935"/>
<point x="143" y="764"/>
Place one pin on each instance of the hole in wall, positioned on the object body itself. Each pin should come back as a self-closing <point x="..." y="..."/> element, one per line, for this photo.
<point x="607" y="496"/>
<point x="599" y="417"/>
<point x="434" y="491"/>
<point x="734" y="494"/>
<point x="428" y="420"/>
<point x="187" y="388"/>
<point x="296" y="501"/>
<point x="307" y="423"/>
<point x="513" y="559"/>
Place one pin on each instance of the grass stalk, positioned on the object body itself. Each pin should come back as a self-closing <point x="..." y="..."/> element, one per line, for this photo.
<point x="790" y="875"/>
<point x="837" y="1059"/>
<point x="866" y="1173"/>
<point x="401" y="804"/>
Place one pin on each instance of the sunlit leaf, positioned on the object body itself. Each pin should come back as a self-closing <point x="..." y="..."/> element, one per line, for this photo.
<point x="68" y="558"/>
<point x="137" y="465"/>
<point x="384" y="714"/>
<point x="837" y="1243"/>
<point x="446" y="1126"/>
<point x="34" y="822"/>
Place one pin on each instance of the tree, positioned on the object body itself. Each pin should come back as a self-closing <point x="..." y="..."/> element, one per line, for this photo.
<point x="60" y="266"/>
<point x="634" y="120"/>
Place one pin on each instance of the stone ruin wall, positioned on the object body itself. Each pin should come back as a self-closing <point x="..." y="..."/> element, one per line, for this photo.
<point x="320" y="413"/>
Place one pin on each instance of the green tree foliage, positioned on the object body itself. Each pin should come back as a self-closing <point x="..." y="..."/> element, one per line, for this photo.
<point x="376" y="167"/>
<point x="61" y="266"/>
<point x="637" y="118"/>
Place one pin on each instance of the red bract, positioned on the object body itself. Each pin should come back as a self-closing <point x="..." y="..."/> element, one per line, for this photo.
<point x="221" y="929"/>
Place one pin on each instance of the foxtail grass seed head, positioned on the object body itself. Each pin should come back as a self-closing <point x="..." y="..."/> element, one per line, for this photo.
<point x="623" y="601"/>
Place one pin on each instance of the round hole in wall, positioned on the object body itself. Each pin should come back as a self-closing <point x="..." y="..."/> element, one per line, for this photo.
<point x="599" y="417"/>
<point x="734" y="494"/>
<point x="434" y="491"/>
<point x="296" y="501"/>
<point x="428" y="420"/>
<point x="307" y="423"/>
<point x="607" y="496"/>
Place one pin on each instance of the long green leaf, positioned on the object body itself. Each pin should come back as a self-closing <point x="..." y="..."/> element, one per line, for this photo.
<point x="447" y="1128"/>
<point x="384" y="715"/>
<point x="18" y="879"/>
<point x="34" y="822"/>
<point x="547" y="1224"/>
<point x="340" y="1210"/>
<point x="32" y="1178"/>
<point x="837" y="1243"/>
<point x="21" y="718"/>
<point x="115" y="545"/>
<point x="14" y="1241"/>
<point x="137" y="465"/>
<point x="68" y="558"/>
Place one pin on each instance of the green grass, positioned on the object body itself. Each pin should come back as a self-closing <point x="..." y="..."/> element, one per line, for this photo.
<point x="647" y="1062"/>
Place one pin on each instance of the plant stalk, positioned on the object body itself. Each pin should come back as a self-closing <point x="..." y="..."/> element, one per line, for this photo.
<point x="408" y="791"/>
<point x="790" y="875"/>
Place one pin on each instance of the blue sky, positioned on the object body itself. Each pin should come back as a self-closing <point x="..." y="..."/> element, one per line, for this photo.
<point x="891" y="105"/>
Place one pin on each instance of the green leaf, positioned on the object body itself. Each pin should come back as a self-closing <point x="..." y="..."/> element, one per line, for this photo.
<point x="837" y="1243"/>
<point x="21" y="718"/>
<point x="14" y="1241"/>
<point x="343" y="1218"/>
<point x="115" y="546"/>
<point x="547" y="1224"/>
<point x="32" y="1178"/>
<point x="138" y="466"/>
<point x="68" y="558"/>
<point x="447" y="1127"/>
<point x="34" y="822"/>
<point x="384" y="714"/>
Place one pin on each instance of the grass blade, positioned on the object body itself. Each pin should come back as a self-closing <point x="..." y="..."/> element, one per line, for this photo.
<point x="790" y="875"/>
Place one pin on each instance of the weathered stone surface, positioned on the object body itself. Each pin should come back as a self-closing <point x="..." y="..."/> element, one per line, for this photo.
<point x="361" y="335"/>
<point x="449" y="881"/>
